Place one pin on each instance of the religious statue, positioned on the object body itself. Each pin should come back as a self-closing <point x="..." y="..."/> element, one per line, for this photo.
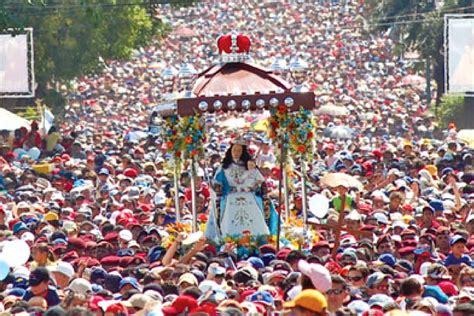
<point x="239" y="183"/>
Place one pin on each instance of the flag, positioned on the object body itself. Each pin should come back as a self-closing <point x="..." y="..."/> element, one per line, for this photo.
<point x="47" y="119"/>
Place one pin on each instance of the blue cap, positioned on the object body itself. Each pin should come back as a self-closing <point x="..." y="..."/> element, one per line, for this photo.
<point x="19" y="227"/>
<point x="262" y="297"/>
<point x="104" y="171"/>
<point x="446" y="171"/>
<point x="456" y="239"/>
<point x="125" y="252"/>
<point x="98" y="273"/>
<point x="388" y="259"/>
<point x="380" y="300"/>
<point x="155" y="253"/>
<point x="375" y="278"/>
<point x="448" y="157"/>
<point x="267" y="258"/>
<point x="437" y="205"/>
<point x="256" y="262"/>
<point x="131" y="281"/>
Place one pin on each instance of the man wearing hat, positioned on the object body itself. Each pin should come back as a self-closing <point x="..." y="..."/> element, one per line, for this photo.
<point x="40" y="286"/>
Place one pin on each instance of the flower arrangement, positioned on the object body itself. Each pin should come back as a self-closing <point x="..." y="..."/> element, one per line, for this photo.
<point x="279" y="121"/>
<point x="174" y="230"/>
<point x="184" y="137"/>
<point x="297" y="128"/>
<point x="301" y="134"/>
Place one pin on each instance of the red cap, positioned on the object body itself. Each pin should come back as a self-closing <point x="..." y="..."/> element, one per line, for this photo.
<point x="110" y="260"/>
<point x="112" y="236"/>
<point x="77" y="242"/>
<point x="116" y="309"/>
<point x="448" y="288"/>
<point x="94" y="303"/>
<point x="283" y="253"/>
<point x="181" y="304"/>
<point x="131" y="173"/>
<point x="268" y="248"/>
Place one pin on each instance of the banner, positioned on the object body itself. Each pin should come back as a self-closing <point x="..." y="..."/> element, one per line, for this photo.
<point x="17" y="65"/>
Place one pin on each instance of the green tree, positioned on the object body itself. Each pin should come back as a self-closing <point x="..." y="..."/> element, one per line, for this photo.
<point x="419" y="24"/>
<point x="71" y="36"/>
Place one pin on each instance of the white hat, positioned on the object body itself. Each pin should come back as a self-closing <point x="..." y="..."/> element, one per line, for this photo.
<point x="80" y="286"/>
<point x="126" y="235"/>
<point x="64" y="268"/>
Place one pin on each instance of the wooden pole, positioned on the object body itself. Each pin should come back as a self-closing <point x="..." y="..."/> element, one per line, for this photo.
<point x="303" y="195"/>
<point x="280" y="189"/>
<point x="193" y="195"/>
<point x="176" y="191"/>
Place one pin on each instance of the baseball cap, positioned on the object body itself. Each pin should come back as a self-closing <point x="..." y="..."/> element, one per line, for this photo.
<point x="375" y="278"/>
<point x="380" y="300"/>
<point x="311" y="300"/>
<point x="64" y="268"/>
<point x="104" y="171"/>
<point x="181" y="304"/>
<point x="188" y="278"/>
<point x="457" y="238"/>
<point x="38" y="276"/>
<point x="319" y="275"/>
<point x="80" y="286"/>
<point x="262" y="297"/>
<point x="131" y="281"/>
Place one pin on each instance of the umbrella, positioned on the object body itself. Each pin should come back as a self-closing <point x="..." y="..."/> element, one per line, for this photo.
<point x="332" y="110"/>
<point x="10" y="121"/>
<point x="338" y="178"/>
<point x="339" y="132"/>
<point x="466" y="136"/>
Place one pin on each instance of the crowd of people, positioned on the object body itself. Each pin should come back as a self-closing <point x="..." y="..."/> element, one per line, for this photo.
<point x="93" y="198"/>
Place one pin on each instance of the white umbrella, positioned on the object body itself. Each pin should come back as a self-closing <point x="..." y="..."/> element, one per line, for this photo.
<point x="10" y="121"/>
<point x="338" y="178"/>
<point x="339" y="132"/>
<point x="466" y="136"/>
<point x="332" y="110"/>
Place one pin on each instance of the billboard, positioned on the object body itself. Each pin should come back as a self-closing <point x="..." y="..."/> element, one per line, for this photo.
<point x="17" y="78"/>
<point x="459" y="53"/>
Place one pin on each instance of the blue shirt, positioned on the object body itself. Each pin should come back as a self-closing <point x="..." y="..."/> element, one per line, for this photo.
<point x="52" y="296"/>
<point x="452" y="260"/>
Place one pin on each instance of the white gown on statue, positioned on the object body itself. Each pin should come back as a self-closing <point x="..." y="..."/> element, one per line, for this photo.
<point x="243" y="209"/>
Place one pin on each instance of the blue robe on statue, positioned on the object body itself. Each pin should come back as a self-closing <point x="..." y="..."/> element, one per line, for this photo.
<point x="241" y="205"/>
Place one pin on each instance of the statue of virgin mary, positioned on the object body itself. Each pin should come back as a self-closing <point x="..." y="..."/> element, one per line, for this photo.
<point x="238" y="183"/>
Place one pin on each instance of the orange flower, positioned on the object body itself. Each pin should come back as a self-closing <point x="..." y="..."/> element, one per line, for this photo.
<point x="188" y="140"/>
<point x="301" y="148"/>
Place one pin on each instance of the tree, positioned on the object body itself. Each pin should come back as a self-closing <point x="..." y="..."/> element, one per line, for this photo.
<point x="419" y="24"/>
<point x="71" y="36"/>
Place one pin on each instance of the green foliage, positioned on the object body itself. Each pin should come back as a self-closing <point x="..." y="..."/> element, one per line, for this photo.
<point x="450" y="109"/>
<point x="70" y="36"/>
<point x="420" y="25"/>
<point x="31" y="114"/>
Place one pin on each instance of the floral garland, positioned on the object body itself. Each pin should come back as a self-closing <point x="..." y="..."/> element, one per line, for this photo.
<point x="184" y="137"/>
<point x="301" y="134"/>
<point x="297" y="127"/>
